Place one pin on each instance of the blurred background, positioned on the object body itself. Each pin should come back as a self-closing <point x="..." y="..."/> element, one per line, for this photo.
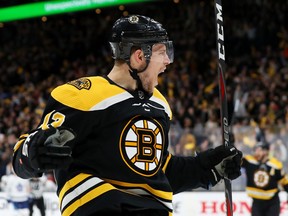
<point x="39" y="53"/>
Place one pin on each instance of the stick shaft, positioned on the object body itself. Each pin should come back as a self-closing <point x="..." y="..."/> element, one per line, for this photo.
<point x="223" y="97"/>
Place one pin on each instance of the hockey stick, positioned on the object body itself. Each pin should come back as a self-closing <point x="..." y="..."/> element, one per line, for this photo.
<point x="223" y="98"/>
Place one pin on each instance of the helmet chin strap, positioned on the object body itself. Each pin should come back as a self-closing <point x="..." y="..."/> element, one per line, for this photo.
<point x="134" y="74"/>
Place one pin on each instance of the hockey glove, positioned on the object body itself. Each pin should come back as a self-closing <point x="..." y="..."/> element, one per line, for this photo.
<point x="223" y="161"/>
<point x="46" y="149"/>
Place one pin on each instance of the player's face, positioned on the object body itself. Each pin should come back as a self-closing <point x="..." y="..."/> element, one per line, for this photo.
<point x="158" y="62"/>
<point x="260" y="153"/>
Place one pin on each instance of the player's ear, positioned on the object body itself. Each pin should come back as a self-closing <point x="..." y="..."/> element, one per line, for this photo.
<point x="137" y="56"/>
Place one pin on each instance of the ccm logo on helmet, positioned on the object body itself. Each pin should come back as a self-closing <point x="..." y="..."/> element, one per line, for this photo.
<point x="141" y="145"/>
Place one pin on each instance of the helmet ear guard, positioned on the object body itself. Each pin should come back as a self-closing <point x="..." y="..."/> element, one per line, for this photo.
<point x="122" y="50"/>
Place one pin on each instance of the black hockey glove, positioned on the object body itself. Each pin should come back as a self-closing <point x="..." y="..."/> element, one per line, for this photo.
<point x="46" y="149"/>
<point x="223" y="162"/>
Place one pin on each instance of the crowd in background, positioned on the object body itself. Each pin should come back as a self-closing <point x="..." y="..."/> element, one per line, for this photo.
<point x="38" y="55"/>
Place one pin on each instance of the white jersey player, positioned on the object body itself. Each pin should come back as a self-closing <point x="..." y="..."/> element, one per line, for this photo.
<point x="18" y="192"/>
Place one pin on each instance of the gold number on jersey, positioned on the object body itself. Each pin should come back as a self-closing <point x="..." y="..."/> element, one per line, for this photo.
<point x="55" y="119"/>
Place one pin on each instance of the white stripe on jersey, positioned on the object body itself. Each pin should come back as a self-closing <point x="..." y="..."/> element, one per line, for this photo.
<point x="165" y="105"/>
<point x="143" y="192"/>
<point x="79" y="190"/>
<point x="111" y="101"/>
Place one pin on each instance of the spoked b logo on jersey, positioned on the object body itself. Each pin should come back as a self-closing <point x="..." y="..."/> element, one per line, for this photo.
<point x="141" y="145"/>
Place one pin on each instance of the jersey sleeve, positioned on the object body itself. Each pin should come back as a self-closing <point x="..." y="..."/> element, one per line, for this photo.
<point x="185" y="173"/>
<point x="67" y="106"/>
<point x="280" y="173"/>
<point x="244" y="162"/>
<point x="248" y="159"/>
<point x="55" y="115"/>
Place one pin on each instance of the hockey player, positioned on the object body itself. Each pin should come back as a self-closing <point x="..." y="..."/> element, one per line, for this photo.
<point x="38" y="186"/>
<point x="18" y="191"/>
<point x="264" y="175"/>
<point x="107" y="137"/>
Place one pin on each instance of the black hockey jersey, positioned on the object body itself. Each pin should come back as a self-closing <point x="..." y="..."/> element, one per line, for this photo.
<point x="120" y="153"/>
<point x="263" y="179"/>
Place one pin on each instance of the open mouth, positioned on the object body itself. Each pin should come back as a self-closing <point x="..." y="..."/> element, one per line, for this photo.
<point x="162" y="71"/>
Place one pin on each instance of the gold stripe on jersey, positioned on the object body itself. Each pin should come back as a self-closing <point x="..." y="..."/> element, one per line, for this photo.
<point x="80" y="190"/>
<point x="85" y="198"/>
<point x="100" y="95"/>
<point x="260" y="194"/>
<point x="251" y="159"/>
<point x="84" y="187"/>
<point x="159" y="193"/>
<point x="144" y="189"/>
<point x="284" y="181"/>
<point x="20" y="142"/>
<point x="166" y="163"/>
<point x="71" y="183"/>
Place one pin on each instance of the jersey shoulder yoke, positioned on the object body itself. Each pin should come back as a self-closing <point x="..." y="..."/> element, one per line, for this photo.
<point x="159" y="98"/>
<point x="275" y="163"/>
<point x="89" y="93"/>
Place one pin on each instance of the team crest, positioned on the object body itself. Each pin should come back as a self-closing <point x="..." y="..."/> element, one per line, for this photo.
<point x="261" y="178"/>
<point x="82" y="83"/>
<point x="133" y="19"/>
<point x="141" y="145"/>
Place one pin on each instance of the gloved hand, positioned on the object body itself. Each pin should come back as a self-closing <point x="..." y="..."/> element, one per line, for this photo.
<point x="224" y="161"/>
<point x="46" y="149"/>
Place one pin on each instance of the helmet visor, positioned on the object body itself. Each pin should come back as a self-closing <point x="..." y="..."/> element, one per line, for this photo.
<point x="166" y="51"/>
<point x="170" y="50"/>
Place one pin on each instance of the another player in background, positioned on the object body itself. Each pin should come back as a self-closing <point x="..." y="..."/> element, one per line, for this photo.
<point x="107" y="137"/>
<point x="264" y="176"/>
<point x="18" y="193"/>
<point x="38" y="187"/>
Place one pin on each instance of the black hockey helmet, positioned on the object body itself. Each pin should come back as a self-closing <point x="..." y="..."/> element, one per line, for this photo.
<point x="263" y="145"/>
<point x="138" y="31"/>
